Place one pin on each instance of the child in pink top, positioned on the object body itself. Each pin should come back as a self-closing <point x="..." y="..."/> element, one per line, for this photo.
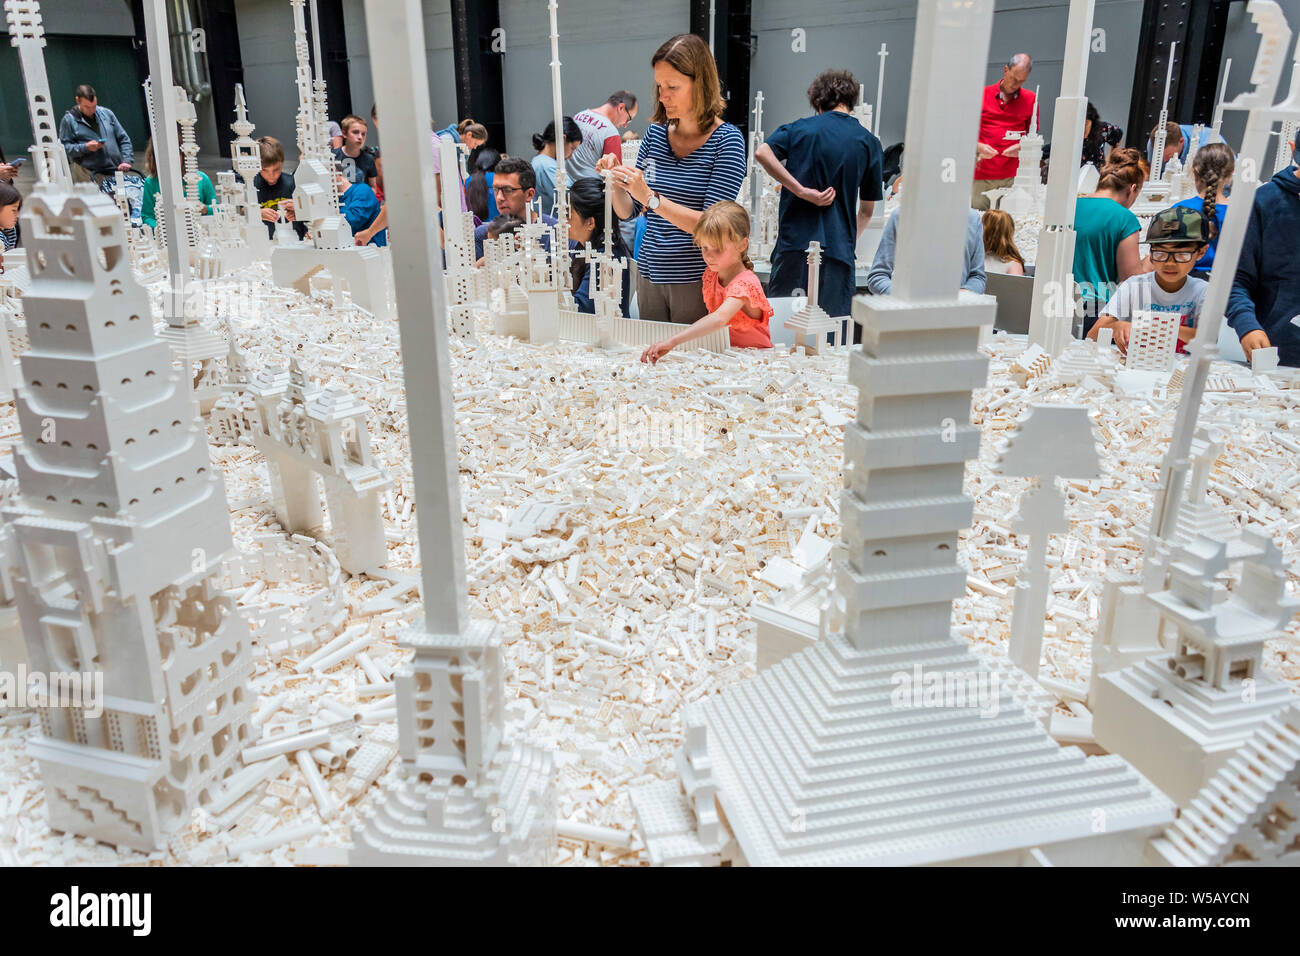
<point x="732" y="292"/>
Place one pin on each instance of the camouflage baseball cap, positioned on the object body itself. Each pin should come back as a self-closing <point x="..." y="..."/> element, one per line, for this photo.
<point x="1179" y="224"/>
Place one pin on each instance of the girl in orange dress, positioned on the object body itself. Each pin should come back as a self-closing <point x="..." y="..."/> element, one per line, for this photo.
<point x="732" y="292"/>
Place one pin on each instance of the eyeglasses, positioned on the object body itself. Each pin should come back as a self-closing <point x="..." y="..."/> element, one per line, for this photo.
<point x="506" y="191"/>
<point x="1164" y="255"/>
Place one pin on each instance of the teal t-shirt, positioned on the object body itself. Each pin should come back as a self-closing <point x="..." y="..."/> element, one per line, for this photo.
<point x="1099" y="227"/>
<point x="207" y="196"/>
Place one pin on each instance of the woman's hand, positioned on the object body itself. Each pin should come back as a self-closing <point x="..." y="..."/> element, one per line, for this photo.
<point x="654" y="353"/>
<point x="606" y="161"/>
<point x="632" y="182"/>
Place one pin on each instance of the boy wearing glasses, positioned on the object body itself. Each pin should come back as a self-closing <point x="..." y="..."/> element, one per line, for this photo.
<point x="1178" y="236"/>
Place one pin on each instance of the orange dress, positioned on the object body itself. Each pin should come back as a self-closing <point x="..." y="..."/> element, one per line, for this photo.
<point x="745" y="331"/>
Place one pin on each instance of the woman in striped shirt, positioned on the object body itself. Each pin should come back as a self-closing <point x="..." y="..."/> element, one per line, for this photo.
<point x="689" y="160"/>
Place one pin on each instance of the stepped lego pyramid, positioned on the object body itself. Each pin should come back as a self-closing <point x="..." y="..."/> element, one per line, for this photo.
<point x="1249" y="812"/>
<point x="112" y="554"/>
<point x="466" y="798"/>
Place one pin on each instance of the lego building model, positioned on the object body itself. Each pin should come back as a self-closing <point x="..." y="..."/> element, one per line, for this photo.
<point x="318" y="555"/>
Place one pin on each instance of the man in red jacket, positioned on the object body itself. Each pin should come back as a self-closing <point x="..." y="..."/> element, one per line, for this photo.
<point x="1006" y="108"/>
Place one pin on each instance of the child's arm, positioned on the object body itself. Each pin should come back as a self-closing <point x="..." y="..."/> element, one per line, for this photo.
<point x="1122" y="328"/>
<point x="700" y="328"/>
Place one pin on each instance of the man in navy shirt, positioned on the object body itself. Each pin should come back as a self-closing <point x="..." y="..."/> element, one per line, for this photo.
<point x="831" y="181"/>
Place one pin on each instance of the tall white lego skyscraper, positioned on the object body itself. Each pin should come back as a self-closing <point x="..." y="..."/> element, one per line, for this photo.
<point x="111" y="553"/>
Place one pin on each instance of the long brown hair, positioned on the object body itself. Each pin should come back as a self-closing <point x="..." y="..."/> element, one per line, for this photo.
<point x="1000" y="236"/>
<point x="1124" y="169"/>
<point x="724" y="222"/>
<point x="690" y="56"/>
<point x="1212" y="165"/>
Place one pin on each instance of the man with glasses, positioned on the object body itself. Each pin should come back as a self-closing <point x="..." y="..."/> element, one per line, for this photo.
<point x="600" y="134"/>
<point x="1178" y="236"/>
<point x="514" y="184"/>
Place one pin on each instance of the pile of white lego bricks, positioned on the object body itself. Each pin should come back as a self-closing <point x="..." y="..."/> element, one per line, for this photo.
<point x="620" y="519"/>
<point x="1026" y="236"/>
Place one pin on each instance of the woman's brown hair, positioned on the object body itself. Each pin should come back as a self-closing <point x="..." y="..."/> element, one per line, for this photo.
<point x="1124" y="169"/>
<point x="724" y="222"/>
<point x="1212" y="165"/>
<point x="690" y="56"/>
<point x="1000" y="236"/>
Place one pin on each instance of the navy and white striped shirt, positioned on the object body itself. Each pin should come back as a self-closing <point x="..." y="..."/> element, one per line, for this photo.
<point x="710" y="174"/>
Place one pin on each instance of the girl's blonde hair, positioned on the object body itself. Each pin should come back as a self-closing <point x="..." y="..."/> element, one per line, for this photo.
<point x="724" y="222"/>
<point x="1212" y="165"/>
<point x="1000" y="236"/>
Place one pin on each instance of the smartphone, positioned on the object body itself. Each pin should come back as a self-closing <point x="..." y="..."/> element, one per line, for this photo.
<point x="19" y="161"/>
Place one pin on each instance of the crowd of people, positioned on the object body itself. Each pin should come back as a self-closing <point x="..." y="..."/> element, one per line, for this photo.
<point x="676" y="216"/>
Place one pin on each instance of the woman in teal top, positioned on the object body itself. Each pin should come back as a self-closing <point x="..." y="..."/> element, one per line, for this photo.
<point x="207" y="195"/>
<point x="1106" y="232"/>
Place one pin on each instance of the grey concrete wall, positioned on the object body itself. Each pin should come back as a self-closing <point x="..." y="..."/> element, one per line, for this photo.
<point x="605" y="45"/>
<point x="848" y="34"/>
<point x="88" y="17"/>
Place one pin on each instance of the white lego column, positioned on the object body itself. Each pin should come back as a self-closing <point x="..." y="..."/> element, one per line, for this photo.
<point x="450" y="806"/>
<point x="1052" y="309"/>
<point x="560" y="247"/>
<point x="1223" y="90"/>
<point x="905" y="455"/>
<point x="880" y="89"/>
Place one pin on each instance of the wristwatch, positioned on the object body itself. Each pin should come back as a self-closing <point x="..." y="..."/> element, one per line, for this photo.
<point x="654" y="201"/>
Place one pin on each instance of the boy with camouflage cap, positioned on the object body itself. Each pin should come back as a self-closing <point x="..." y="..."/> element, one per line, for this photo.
<point x="1178" y="237"/>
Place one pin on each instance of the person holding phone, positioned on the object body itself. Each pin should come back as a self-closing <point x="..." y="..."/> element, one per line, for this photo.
<point x="9" y="170"/>
<point x="94" y="137"/>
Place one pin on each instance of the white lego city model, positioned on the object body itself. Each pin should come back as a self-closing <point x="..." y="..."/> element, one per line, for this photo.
<point x="803" y="784"/>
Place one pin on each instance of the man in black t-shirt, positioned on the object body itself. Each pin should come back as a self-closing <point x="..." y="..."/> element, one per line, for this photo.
<point x="831" y="182"/>
<point x="357" y="162"/>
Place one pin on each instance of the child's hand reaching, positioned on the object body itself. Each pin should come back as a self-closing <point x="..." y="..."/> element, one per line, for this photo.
<point x="655" y="352"/>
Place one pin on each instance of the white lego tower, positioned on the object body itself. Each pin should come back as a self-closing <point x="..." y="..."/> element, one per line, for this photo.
<point x="1026" y="196"/>
<point x="458" y="235"/>
<point x="246" y="159"/>
<point x="862" y="112"/>
<point x="467" y="795"/>
<point x="560" y="247"/>
<point x="817" y="759"/>
<point x="306" y="431"/>
<point x="111" y="554"/>
<point x="196" y="348"/>
<point x="1052" y="310"/>
<point x="1155" y="185"/>
<point x="1050" y="442"/>
<point x="811" y="324"/>
<point x="880" y="89"/>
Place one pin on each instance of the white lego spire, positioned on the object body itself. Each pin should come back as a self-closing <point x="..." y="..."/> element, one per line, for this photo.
<point x="28" y="36"/>
<point x="1274" y="40"/>
<point x="880" y="89"/>
<point x="560" y="248"/>
<point x="1158" y="148"/>
<point x="467" y="794"/>
<point x="1223" y="91"/>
